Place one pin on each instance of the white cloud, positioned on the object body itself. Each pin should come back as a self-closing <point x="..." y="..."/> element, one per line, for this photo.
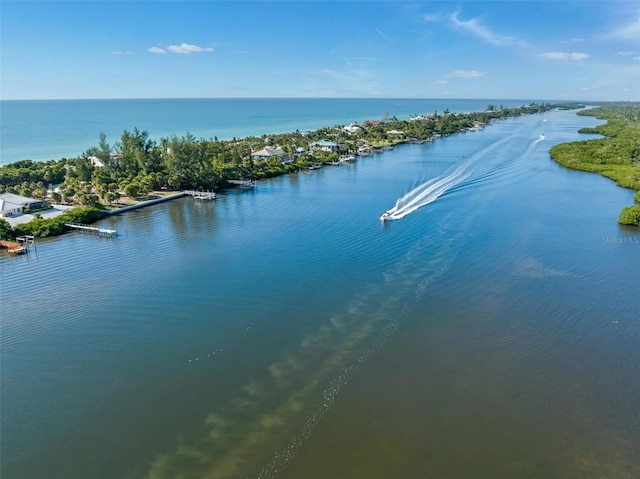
<point x="182" y="49"/>
<point x="630" y="31"/>
<point x="625" y="54"/>
<point x="186" y="49"/>
<point x="466" y="74"/>
<point x="636" y="58"/>
<point x="122" y="53"/>
<point x="474" y="27"/>
<point x="564" y="56"/>
<point x="440" y="82"/>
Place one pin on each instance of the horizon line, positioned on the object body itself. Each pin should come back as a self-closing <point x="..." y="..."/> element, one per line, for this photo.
<point x="316" y="98"/>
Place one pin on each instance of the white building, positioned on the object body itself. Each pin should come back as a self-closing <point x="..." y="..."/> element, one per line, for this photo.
<point x="352" y="128"/>
<point x="269" y="152"/>
<point x="13" y="205"/>
<point x="324" y="145"/>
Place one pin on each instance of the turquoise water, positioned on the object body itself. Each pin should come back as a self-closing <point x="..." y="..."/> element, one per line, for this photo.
<point x="286" y="333"/>
<point x="45" y="130"/>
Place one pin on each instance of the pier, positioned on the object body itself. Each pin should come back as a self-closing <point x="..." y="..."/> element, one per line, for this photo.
<point x="243" y="184"/>
<point x="19" y="246"/>
<point x="107" y="232"/>
<point x="201" y="195"/>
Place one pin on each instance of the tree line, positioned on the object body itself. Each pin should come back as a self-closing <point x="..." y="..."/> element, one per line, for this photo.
<point x="136" y="165"/>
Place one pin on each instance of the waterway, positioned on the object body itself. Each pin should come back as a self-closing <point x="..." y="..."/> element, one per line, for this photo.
<point x="285" y="332"/>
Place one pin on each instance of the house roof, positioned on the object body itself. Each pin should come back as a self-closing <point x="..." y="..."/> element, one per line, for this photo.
<point x="324" y="143"/>
<point x="9" y="205"/>
<point x="96" y="161"/>
<point x="17" y="199"/>
<point x="269" y="151"/>
<point x="351" y="128"/>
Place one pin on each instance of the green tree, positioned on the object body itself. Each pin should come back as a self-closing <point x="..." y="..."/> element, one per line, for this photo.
<point x="630" y="215"/>
<point x="5" y="229"/>
<point x="132" y="189"/>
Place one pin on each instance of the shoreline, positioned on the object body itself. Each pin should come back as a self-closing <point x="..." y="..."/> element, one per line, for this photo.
<point x="374" y="136"/>
<point x="145" y="203"/>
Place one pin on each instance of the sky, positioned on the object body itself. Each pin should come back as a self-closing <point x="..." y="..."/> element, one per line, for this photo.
<point x="539" y="50"/>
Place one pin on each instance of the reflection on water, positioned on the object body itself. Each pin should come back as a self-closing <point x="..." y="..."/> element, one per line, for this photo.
<point x="490" y="333"/>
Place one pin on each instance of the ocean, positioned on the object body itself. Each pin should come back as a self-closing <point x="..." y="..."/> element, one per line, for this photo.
<point x="50" y="130"/>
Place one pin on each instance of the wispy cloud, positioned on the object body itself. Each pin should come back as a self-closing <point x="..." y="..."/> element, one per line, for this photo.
<point x="476" y="28"/>
<point x="382" y="34"/>
<point x="629" y="31"/>
<point x="466" y="74"/>
<point x="432" y="17"/>
<point x="182" y="49"/>
<point x="123" y="53"/>
<point x="439" y="82"/>
<point x="625" y="54"/>
<point x="340" y="82"/>
<point x="564" y="56"/>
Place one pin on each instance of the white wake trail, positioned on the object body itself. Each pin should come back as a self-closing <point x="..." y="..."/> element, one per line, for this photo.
<point x="434" y="188"/>
<point x="429" y="191"/>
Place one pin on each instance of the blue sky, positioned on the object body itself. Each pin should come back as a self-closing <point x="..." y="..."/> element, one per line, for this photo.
<point x="582" y="50"/>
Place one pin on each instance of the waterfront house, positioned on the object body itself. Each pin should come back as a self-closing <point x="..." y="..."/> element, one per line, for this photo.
<point x="352" y="128"/>
<point x="13" y="205"/>
<point x="269" y="152"/>
<point x="324" y="145"/>
<point x="397" y="133"/>
<point x="96" y="161"/>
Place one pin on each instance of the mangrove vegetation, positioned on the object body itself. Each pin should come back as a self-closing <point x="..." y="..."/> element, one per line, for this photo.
<point x="616" y="156"/>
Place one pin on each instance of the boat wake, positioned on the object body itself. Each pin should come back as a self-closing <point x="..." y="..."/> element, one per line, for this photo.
<point x="428" y="192"/>
<point x="456" y="177"/>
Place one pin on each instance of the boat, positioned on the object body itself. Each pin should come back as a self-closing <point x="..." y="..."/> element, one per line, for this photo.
<point x="348" y="159"/>
<point x="385" y="216"/>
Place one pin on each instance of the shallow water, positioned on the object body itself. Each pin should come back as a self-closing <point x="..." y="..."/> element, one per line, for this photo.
<point x="286" y="332"/>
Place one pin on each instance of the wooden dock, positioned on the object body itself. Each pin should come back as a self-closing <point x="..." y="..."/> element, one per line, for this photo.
<point x="19" y="246"/>
<point x="107" y="232"/>
<point x="201" y="195"/>
<point x="13" y="247"/>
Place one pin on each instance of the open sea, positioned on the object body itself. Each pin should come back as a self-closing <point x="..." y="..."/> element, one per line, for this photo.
<point x="493" y="331"/>
<point x="44" y="130"/>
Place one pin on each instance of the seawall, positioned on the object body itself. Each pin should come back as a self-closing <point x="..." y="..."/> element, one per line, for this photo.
<point x="142" y="204"/>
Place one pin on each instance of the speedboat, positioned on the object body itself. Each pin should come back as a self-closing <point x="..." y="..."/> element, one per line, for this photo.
<point x="385" y="216"/>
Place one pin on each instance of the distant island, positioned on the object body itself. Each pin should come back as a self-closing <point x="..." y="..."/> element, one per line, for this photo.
<point x="109" y="177"/>
<point x="617" y="156"/>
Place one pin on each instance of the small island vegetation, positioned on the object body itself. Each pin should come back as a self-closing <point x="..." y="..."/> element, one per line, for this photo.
<point x="136" y="168"/>
<point x="616" y="156"/>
